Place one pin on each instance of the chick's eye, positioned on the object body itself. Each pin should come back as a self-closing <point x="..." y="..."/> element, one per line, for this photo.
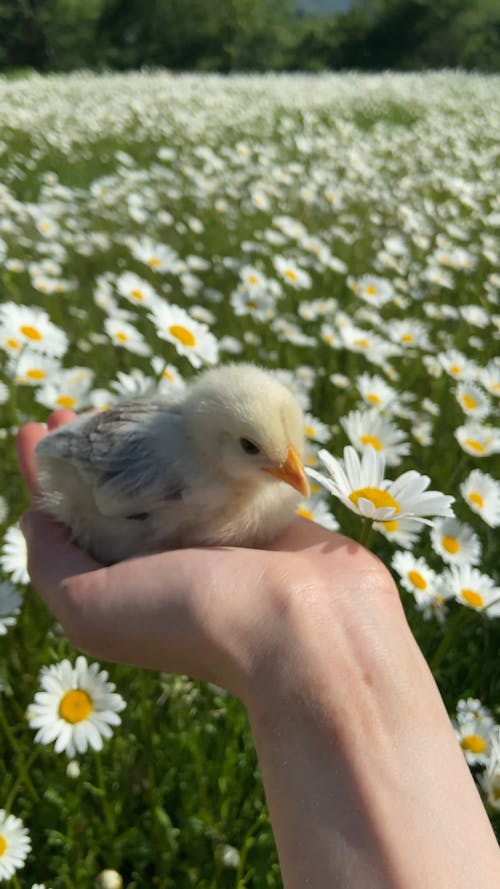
<point x="248" y="446"/>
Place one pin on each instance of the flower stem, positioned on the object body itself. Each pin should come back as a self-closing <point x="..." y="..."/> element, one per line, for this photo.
<point x="23" y="769"/>
<point x="365" y="532"/>
<point x="108" y="814"/>
<point x="456" y="622"/>
<point x="23" y="777"/>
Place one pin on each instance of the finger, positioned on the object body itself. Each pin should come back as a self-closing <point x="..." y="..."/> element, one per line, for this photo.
<point x="59" y="418"/>
<point x="52" y="557"/>
<point x="27" y="439"/>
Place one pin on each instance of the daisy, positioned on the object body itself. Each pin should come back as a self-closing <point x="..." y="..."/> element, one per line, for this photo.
<point x="33" y="369"/>
<point x="375" y="391"/>
<point x="291" y="273"/>
<point x="473" y="401"/>
<point x="360" y="485"/>
<point x="158" y="257"/>
<point x="258" y="303"/>
<point x="402" y="532"/>
<point x="471" y="709"/>
<point x="75" y="708"/>
<point x="190" y="338"/>
<point x="10" y="606"/>
<point x="316" y="430"/>
<point x="478" y="440"/>
<point x="457" y="365"/>
<point x="456" y="542"/>
<point x="29" y="326"/>
<point x="419" y="579"/>
<point x="490" y="377"/>
<point x="368" y="428"/>
<point x="15" y="845"/>
<point x="316" y="510"/>
<point x="14" y="555"/>
<point x="490" y="783"/>
<point x="475" y="315"/>
<point x="134" y="384"/>
<point x="409" y="334"/>
<point x="474" y="728"/>
<point x="169" y="378"/>
<point x="126" y="336"/>
<point x="473" y="589"/>
<point x="422" y="432"/>
<point x="136" y="290"/>
<point x="373" y="347"/>
<point x="70" y="388"/>
<point x="372" y="289"/>
<point x="482" y="494"/>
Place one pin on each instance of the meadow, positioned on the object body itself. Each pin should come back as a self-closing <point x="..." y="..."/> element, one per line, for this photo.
<point x="339" y="229"/>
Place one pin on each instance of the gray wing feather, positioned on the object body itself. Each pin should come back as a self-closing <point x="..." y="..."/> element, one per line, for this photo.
<point x="129" y="456"/>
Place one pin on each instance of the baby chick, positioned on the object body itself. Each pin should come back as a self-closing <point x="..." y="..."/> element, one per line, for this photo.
<point x="221" y="464"/>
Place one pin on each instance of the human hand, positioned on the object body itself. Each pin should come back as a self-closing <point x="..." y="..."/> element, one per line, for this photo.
<point x="222" y="614"/>
<point x="348" y="723"/>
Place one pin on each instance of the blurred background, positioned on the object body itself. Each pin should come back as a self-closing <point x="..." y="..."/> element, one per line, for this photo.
<point x="249" y="35"/>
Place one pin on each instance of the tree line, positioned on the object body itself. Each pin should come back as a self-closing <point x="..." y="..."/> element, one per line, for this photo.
<point x="248" y="35"/>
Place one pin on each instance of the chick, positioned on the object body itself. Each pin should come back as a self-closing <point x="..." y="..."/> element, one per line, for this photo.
<point x="221" y="464"/>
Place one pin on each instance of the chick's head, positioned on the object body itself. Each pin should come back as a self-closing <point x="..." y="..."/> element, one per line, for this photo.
<point x="247" y="425"/>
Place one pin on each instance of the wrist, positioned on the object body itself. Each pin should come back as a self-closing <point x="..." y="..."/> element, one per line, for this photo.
<point x="358" y="757"/>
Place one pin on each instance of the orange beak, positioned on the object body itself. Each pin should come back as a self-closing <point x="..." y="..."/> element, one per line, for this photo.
<point x="291" y="472"/>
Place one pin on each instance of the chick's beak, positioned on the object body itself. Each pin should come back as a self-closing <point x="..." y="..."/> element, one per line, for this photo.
<point x="291" y="472"/>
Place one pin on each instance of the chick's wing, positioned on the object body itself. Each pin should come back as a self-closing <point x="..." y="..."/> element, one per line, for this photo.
<point x="131" y="456"/>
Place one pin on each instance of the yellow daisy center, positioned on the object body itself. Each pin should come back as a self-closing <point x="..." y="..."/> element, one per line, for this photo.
<point x="476" y="498"/>
<point x="373" y="441"/>
<point x="469" y="402"/>
<point x="455" y="369"/>
<point x="290" y="274"/>
<point x="370" y="289"/>
<point x="251" y="304"/>
<point x="475" y="445"/>
<point x="450" y="544"/>
<point x="253" y="279"/>
<point x="75" y="706"/>
<point x="168" y="375"/>
<point x="183" y="335"/>
<point x="473" y="743"/>
<point x="13" y="344"/>
<point x="315" y="489"/>
<point x="472" y="598"/>
<point x="391" y="526"/>
<point x="31" y="332"/>
<point x="44" y="227"/>
<point x="310" y="430"/>
<point x="362" y="343"/>
<point x="407" y="338"/>
<point x="137" y="294"/>
<point x="378" y="497"/>
<point x="121" y="335"/>
<point x="3" y="845"/>
<point x="66" y="401"/>
<point x="305" y="513"/>
<point x="373" y="398"/>
<point x="154" y="262"/>
<point x="417" y="580"/>
<point x="36" y="374"/>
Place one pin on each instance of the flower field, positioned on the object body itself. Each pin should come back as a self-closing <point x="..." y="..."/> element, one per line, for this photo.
<point x="339" y="229"/>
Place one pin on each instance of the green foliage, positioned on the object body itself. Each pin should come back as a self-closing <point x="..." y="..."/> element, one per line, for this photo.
<point x="62" y="35"/>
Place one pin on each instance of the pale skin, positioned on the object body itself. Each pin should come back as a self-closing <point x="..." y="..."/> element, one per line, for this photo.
<point x="366" y="785"/>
